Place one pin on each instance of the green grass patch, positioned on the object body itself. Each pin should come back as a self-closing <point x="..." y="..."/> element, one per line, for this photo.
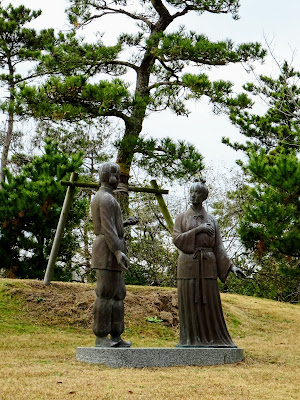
<point x="40" y="328"/>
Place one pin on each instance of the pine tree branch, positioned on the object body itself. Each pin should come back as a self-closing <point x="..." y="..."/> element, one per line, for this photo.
<point x="166" y="83"/>
<point x="171" y="70"/>
<point x="112" y="62"/>
<point x="118" y="11"/>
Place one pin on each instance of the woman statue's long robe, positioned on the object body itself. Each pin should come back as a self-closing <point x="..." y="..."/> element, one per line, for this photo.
<point x="202" y="260"/>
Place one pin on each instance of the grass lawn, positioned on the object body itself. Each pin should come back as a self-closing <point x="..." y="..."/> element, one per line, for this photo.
<point x="40" y="328"/>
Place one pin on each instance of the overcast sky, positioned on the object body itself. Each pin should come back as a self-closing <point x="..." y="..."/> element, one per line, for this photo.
<point x="274" y="21"/>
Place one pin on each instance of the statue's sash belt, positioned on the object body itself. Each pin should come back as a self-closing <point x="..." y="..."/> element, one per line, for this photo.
<point x="200" y="273"/>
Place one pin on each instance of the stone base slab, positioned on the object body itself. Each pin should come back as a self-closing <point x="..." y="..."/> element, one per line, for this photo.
<point x="158" y="357"/>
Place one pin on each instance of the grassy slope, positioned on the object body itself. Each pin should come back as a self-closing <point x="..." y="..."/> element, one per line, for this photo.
<point x="40" y="327"/>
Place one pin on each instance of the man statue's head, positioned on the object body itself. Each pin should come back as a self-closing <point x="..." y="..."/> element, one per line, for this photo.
<point x="198" y="191"/>
<point x="109" y="172"/>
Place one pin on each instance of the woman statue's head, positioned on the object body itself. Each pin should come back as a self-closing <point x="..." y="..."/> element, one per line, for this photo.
<point x="198" y="191"/>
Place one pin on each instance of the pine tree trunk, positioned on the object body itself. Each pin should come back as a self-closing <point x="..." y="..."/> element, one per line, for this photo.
<point x="134" y="124"/>
<point x="10" y="128"/>
<point x="123" y="199"/>
<point x="7" y="143"/>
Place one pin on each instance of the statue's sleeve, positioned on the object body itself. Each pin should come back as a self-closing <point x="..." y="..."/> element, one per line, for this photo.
<point x="184" y="241"/>
<point x="109" y="215"/>
<point x="222" y="259"/>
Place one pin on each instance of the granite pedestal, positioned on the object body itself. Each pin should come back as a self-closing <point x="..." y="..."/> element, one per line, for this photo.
<point x="158" y="357"/>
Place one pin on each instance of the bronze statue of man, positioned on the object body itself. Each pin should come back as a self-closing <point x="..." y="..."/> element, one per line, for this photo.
<point x="109" y="259"/>
<point x="202" y="260"/>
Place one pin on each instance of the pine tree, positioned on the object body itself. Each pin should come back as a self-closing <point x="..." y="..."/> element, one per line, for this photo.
<point x="159" y="58"/>
<point x="270" y="222"/>
<point x="92" y="140"/>
<point x="265" y="277"/>
<point x="30" y="205"/>
<point x="18" y="45"/>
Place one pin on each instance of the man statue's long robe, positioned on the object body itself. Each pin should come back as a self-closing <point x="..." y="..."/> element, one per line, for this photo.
<point x="202" y="260"/>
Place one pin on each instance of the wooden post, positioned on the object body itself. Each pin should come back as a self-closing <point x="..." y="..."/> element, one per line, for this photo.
<point x="163" y="207"/>
<point x="60" y="229"/>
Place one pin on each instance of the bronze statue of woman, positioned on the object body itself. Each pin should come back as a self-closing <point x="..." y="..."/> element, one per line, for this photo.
<point x="202" y="260"/>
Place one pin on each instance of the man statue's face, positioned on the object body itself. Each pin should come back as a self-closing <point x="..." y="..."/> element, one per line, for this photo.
<point x="197" y="195"/>
<point x="114" y="177"/>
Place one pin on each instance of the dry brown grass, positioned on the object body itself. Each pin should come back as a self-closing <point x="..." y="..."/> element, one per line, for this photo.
<point x="41" y="327"/>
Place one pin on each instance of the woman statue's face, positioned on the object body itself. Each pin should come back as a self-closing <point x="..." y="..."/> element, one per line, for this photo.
<point x="197" y="195"/>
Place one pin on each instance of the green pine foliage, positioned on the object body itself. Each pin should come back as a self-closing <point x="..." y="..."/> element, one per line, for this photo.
<point x="270" y="223"/>
<point x="88" y="80"/>
<point x="164" y="158"/>
<point x="269" y="274"/>
<point x="271" y="219"/>
<point x="19" y="46"/>
<point x="74" y="99"/>
<point x="30" y="205"/>
<point x="265" y="279"/>
<point x="91" y="140"/>
<point x="18" y="42"/>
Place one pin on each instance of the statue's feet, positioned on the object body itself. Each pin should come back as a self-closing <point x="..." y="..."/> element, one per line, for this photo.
<point x="105" y="342"/>
<point x="121" y="343"/>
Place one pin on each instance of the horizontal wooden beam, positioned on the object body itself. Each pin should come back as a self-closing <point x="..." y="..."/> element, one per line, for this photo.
<point x="93" y="185"/>
<point x="147" y="190"/>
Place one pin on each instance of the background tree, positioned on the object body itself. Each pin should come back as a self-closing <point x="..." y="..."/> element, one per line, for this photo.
<point x="269" y="224"/>
<point x="153" y="258"/>
<point x="30" y="205"/>
<point x="160" y="61"/>
<point x="18" y="45"/>
<point x="265" y="278"/>
<point x="93" y="141"/>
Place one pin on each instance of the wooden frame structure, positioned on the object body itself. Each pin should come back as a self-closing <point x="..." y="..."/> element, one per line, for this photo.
<point x="71" y="185"/>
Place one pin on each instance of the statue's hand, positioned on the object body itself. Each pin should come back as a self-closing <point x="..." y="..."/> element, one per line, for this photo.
<point x="131" y="221"/>
<point x="237" y="271"/>
<point x="205" y="228"/>
<point x="122" y="260"/>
